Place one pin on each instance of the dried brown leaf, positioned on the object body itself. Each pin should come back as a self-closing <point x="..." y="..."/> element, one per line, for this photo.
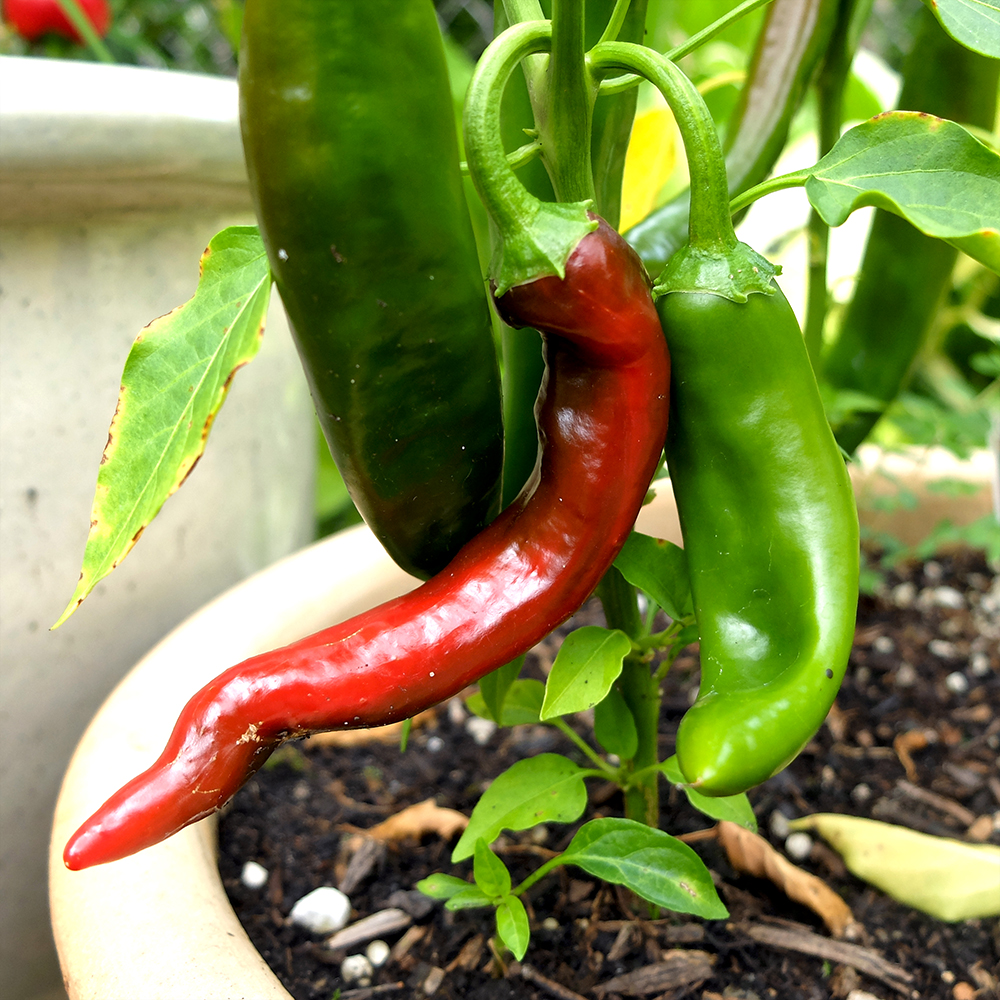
<point x="415" y="821"/>
<point x="753" y="855"/>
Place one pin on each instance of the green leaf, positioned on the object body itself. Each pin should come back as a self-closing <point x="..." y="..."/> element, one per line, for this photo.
<point x="470" y="898"/>
<point x="651" y="863"/>
<point x="587" y="664"/>
<point x="735" y="808"/>
<point x="441" y="886"/>
<point x="659" y="569"/>
<point x="541" y="789"/>
<point x="927" y="170"/>
<point x="175" y="380"/>
<point x="614" y="726"/>
<point x="973" y="23"/>
<point x="490" y="872"/>
<point x="512" y="926"/>
<point x="495" y="685"/>
<point x="521" y="706"/>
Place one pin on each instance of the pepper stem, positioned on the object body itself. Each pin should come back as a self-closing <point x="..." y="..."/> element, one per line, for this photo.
<point x="714" y="261"/>
<point x="565" y="126"/>
<point x="711" y="224"/>
<point x="536" y="237"/>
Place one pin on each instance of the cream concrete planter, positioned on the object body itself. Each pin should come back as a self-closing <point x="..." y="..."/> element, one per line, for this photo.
<point x="112" y="181"/>
<point x="159" y="924"/>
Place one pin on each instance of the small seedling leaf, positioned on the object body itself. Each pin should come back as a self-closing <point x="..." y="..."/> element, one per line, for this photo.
<point x="522" y="704"/>
<point x="614" y="726"/>
<point x="542" y="789"/>
<point x="587" y="664"/>
<point x="512" y="926"/>
<point x="441" y="886"/>
<point x="490" y="872"/>
<point x="651" y="863"/>
<point x="734" y="808"/>
<point x="659" y="568"/>
<point x="495" y="685"/>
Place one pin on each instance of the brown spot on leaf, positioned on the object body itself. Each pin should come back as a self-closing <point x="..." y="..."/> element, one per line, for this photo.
<point x="337" y="256"/>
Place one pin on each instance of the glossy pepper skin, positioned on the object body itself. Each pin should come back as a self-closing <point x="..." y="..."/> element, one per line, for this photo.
<point x="602" y="417"/>
<point x="790" y="46"/>
<point x="353" y="160"/>
<point x="770" y="534"/>
<point x="904" y="274"/>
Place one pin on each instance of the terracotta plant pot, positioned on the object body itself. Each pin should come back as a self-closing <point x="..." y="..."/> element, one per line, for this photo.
<point x="159" y="924"/>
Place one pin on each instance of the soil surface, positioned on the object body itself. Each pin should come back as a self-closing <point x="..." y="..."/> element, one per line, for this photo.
<point x="913" y="740"/>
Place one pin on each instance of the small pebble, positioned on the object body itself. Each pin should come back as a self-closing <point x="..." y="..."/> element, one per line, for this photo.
<point x="957" y="682"/>
<point x="828" y="776"/>
<point x="933" y="571"/>
<point x="356" y="970"/>
<point x="539" y="834"/>
<point x="883" y="644"/>
<point x="435" y="744"/>
<point x="979" y="664"/>
<point x="456" y="712"/>
<point x="861" y="793"/>
<point x="550" y="924"/>
<point x="481" y="730"/>
<point x="778" y="824"/>
<point x="904" y="594"/>
<point x="301" y="791"/>
<point x="322" y="911"/>
<point x="862" y="676"/>
<point x="862" y="995"/>
<point x="254" y="876"/>
<point x="799" y="845"/>
<point x="947" y="977"/>
<point x="906" y="675"/>
<point x="377" y="953"/>
<point x="948" y="597"/>
<point x="941" y="647"/>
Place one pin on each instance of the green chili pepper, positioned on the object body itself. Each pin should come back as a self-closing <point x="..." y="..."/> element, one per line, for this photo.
<point x="790" y="45"/>
<point x="904" y="274"/>
<point x="770" y="534"/>
<point x="766" y="507"/>
<point x="353" y="160"/>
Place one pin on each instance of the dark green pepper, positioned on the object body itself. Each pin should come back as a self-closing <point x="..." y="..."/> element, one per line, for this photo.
<point x="790" y="45"/>
<point x="353" y="162"/>
<point x="904" y="274"/>
<point x="770" y="534"/>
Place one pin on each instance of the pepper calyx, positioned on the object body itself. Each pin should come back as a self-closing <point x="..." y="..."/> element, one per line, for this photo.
<point x="732" y="273"/>
<point x="541" y="246"/>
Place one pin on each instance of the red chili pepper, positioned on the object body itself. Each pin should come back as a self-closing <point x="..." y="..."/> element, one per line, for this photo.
<point x="602" y="419"/>
<point x="33" y="18"/>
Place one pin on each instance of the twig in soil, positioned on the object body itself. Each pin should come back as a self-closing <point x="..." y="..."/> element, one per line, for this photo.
<point x="678" y="968"/>
<point x="364" y="992"/>
<point x="805" y="942"/>
<point x="550" y="986"/>
<point x="965" y="816"/>
<point x="914" y="739"/>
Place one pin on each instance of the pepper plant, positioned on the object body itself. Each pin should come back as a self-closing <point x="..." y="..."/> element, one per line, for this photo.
<point x="516" y="501"/>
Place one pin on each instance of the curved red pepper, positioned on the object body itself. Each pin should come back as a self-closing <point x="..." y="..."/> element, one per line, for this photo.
<point x="602" y="420"/>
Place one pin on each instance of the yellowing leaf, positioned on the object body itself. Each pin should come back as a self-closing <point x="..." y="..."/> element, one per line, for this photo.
<point x="949" y="879"/>
<point x="649" y="162"/>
